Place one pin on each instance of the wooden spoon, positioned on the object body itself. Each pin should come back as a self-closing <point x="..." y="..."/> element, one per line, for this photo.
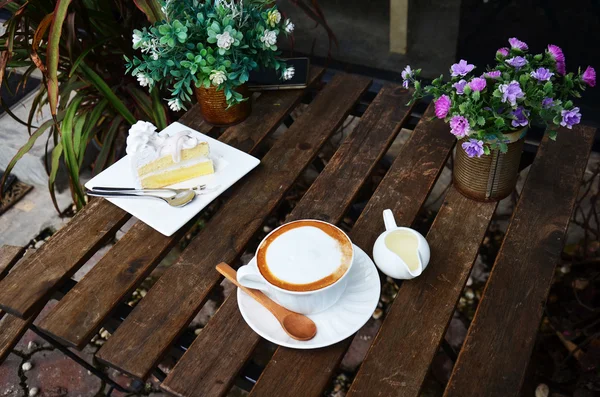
<point x="296" y="325"/>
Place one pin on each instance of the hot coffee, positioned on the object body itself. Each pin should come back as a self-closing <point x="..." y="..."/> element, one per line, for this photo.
<point x="304" y="256"/>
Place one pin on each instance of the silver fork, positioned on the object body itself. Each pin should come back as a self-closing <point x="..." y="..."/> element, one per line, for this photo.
<point x="200" y="189"/>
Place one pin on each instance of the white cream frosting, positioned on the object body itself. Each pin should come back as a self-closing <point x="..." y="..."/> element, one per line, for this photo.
<point x="145" y="145"/>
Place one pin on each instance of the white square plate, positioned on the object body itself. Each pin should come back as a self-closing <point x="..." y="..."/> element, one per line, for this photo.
<point x="230" y="164"/>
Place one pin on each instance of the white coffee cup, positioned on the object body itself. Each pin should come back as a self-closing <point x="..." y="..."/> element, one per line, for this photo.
<point x="312" y="296"/>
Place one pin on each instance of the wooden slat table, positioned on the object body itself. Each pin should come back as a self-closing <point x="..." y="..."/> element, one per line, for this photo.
<point x="402" y="352"/>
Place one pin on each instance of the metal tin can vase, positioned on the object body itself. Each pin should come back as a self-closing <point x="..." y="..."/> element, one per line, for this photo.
<point x="214" y="106"/>
<point x="489" y="177"/>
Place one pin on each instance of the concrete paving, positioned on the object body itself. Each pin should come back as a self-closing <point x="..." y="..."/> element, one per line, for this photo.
<point x="33" y="213"/>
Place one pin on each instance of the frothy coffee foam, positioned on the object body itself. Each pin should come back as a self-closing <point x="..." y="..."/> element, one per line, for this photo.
<point x="304" y="256"/>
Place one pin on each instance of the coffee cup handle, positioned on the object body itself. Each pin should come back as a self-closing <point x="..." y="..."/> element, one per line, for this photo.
<point x="249" y="277"/>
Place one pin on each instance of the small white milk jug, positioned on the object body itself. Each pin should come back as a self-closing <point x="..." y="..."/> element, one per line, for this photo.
<point x="400" y="252"/>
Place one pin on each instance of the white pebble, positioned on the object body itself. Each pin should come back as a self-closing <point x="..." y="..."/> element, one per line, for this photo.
<point x="143" y="293"/>
<point x="26" y="366"/>
<point x="33" y="391"/>
<point x="542" y="390"/>
<point x="31" y="345"/>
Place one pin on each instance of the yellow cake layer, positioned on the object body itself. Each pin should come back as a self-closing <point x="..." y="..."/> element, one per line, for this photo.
<point x="167" y="161"/>
<point x="177" y="175"/>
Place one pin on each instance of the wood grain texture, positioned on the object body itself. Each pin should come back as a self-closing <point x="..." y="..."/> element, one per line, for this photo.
<point x="9" y="255"/>
<point x="404" y="189"/>
<point x="210" y="364"/>
<point x="144" y="337"/>
<point x="12" y="328"/>
<point x="268" y="113"/>
<point x="81" y="312"/>
<point x="193" y="119"/>
<point x="402" y="351"/>
<point x="71" y="247"/>
<point x="502" y="334"/>
<point x="31" y="285"/>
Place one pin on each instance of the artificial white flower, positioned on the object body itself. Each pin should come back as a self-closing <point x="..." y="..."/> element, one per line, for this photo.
<point x="217" y="77"/>
<point x="288" y="26"/>
<point x="289" y="73"/>
<point x="144" y="80"/>
<point x="224" y="40"/>
<point x="269" y="37"/>
<point x="154" y="55"/>
<point x="165" y="9"/>
<point x="175" y="104"/>
<point x="137" y="38"/>
<point x="273" y="18"/>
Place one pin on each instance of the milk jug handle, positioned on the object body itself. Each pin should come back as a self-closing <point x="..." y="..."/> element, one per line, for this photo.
<point x="388" y="220"/>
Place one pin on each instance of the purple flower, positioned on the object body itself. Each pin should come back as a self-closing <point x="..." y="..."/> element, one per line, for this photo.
<point x="461" y="68"/>
<point x="502" y="51"/>
<point x="589" y="76"/>
<point x="520" y="117"/>
<point x="570" y="117"/>
<point x="557" y="54"/>
<point x="477" y="84"/>
<point x="460" y="86"/>
<point x="547" y="103"/>
<point x="442" y="106"/>
<point x="473" y="148"/>
<point x="459" y="126"/>
<point x="511" y="92"/>
<point x="542" y="74"/>
<point x="494" y="74"/>
<point x="406" y="74"/>
<point x="517" y="62"/>
<point x="518" y="44"/>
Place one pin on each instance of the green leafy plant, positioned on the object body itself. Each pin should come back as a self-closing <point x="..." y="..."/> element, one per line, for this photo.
<point x="208" y="43"/>
<point x="78" y="45"/>
<point x="520" y="89"/>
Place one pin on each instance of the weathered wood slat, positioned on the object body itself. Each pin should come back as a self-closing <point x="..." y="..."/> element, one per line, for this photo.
<point x="31" y="285"/>
<point x="9" y="255"/>
<point x="11" y="330"/>
<point x="268" y="113"/>
<point x="193" y="119"/>
<point x="416" y="322"/>
<point x="11" y="327"/>
<point x="502" y="334"/>
<point x="69" y="249"/>
<point x="216" y="356"/>
<point x="404" y="189"/>
<point x="144" y="337"/>
<point x="81" y="312"/>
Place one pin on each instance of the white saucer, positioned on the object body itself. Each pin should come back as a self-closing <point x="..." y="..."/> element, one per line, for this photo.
<point x="335" y="324"/>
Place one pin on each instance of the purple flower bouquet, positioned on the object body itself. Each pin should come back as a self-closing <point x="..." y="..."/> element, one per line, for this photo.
<point x="522" y="88"/>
